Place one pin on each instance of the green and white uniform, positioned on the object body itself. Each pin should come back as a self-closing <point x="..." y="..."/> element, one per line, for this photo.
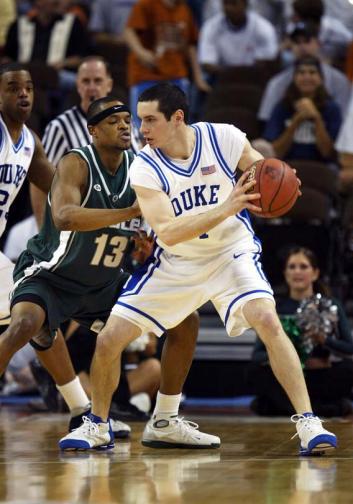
<point x="75" y="274"/>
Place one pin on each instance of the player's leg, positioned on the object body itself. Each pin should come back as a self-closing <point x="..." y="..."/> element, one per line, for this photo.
<point x="57" y="362"/>
<point x="26" y="321"/>
<point x="166" y="429"/>
<point x="284" y="360"/>
<point x="104" y="375"/>
<point x="285" y="363"/>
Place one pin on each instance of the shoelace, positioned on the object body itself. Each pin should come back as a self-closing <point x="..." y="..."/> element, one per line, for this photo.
<point x="89" y="427"/>
<point x="304" y="421"/>
<point x="186" y="426"/>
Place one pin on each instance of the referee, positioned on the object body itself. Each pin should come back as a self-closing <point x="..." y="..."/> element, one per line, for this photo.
<point x="69" y="130"/>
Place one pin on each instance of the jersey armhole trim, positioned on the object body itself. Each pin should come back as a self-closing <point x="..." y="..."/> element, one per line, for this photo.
<point x="213" y="138"/>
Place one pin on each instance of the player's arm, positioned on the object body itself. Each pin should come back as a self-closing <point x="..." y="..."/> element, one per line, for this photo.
<point x="249" y="156"/>
<point x="68" y="190"/>
<point x="40" y="175"/>
<point x="157" y="210"/>
<point x="41" y="171"/>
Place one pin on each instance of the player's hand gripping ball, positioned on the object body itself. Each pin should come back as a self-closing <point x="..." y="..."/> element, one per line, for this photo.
<point x="278" y="185"/>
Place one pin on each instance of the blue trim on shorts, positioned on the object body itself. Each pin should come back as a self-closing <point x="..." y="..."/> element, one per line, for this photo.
<point x="212" y="134"/>
<point x="241" y="296"/>
<point x="140" y="312"/>
<point x="157" y="169"/>
<point x="138" y="275"/>
<point x="243" y="216"/>
<point x="258" y="266"/>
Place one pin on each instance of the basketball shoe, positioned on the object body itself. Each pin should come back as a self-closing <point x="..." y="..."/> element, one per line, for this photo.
<point x="175" y="432"/>
<point x="120" y="429"/>
<point x="313" y="437"/>
<point x="91" y="434"/>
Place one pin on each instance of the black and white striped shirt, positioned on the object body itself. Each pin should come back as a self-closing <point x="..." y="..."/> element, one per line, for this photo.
<point x="69" y="131"/>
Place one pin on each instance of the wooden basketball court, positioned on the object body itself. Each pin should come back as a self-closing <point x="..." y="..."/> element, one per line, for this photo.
<point x="257" y="463"/>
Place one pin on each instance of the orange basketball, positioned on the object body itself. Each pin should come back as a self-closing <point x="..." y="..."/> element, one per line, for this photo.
<point x="278" y="185"/>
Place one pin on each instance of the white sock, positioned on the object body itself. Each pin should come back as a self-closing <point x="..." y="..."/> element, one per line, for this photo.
<point x="166" y="405"/>
<point x="74" y="396"/>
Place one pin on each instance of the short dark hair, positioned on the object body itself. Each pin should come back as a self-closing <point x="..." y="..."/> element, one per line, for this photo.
<point x="312" y="10"/>
<point x="12" y="67"/>
<point x="97" y="57"/>
<point x="170" y="99"/>
<point x="97" y="105"/>
<point x="307" y="30"/>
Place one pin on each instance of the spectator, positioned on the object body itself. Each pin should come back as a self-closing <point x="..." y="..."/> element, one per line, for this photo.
<point x="8" y="15"/>
<point x="47" y="35"/>
<point x="344" y="147"/>
<point x="349" y="63"/>
<point x="108" y="19"/>
<point x="236" y="27"/>
<point x="162" y="37"/>
<point x="341" y="10"/>
<point x="304" y="125"/>
<point x="304" y="42"/>
<point x="69" y="130"/>
<point x="326" y="354"/>
<point x="333" y="35"/>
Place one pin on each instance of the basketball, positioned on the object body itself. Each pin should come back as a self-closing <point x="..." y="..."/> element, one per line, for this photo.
<point x="278" y="185"/>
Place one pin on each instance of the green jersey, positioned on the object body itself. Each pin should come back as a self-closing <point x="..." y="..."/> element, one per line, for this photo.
<point x="90" y="259"/>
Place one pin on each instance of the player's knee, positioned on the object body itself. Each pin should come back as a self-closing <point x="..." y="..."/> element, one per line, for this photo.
<point x="108" y="345"/>
<point x="266" y="322"/>
<point x="21" y="330"/>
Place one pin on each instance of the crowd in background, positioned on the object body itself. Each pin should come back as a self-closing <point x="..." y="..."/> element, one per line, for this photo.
<point x="281" y="70"/>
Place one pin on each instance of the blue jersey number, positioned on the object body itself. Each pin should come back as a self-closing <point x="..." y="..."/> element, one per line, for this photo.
<point x="4" y="196"/>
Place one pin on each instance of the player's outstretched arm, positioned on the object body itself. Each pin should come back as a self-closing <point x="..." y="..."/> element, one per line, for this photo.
<point x="158" y="212"/>
<point x="68" y="189"/>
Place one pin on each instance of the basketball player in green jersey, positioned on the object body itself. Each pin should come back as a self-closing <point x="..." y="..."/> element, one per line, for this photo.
<point x="71" y="269"/>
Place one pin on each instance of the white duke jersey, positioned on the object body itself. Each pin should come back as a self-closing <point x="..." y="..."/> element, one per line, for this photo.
<point x="15" y="160"/>
<point x="199" y="184"/>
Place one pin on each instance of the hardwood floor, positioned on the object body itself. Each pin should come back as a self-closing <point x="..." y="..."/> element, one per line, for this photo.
<point x="257" y="463"/>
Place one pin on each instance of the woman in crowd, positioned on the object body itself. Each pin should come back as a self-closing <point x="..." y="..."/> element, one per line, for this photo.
<point x="321" y="333"/>
<point x="305" y="123"/>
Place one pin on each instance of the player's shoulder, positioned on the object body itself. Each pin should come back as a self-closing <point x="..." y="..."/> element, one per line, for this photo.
<point x="216" y="129"/>
<point x="146" y="155"/>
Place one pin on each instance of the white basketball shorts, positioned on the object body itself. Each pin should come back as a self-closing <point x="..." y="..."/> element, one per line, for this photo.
<point x="6" y="285"/>
<point x="168" y="288"/>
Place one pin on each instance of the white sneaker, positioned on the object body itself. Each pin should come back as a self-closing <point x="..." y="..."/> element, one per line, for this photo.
<point x="120" y="429"/>
<point x="177" y="433"/>
<point x="313" y="437"/>
<point x="89" y="435"/>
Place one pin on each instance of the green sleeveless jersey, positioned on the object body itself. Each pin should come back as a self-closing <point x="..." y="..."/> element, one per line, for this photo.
<point x="90" y="259"/>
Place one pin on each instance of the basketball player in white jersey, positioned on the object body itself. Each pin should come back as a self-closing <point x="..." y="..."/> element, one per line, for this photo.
<point x="21" y="155"/>
<point x="206" y="250"/>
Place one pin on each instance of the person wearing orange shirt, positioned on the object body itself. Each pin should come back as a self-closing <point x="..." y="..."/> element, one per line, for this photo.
<point x="162" y="38"/>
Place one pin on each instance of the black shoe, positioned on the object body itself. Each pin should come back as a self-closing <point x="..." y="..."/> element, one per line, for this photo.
<point x="120" y="429"/>
<point x="128" y="413"/>
<point x="46" y="385"/>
